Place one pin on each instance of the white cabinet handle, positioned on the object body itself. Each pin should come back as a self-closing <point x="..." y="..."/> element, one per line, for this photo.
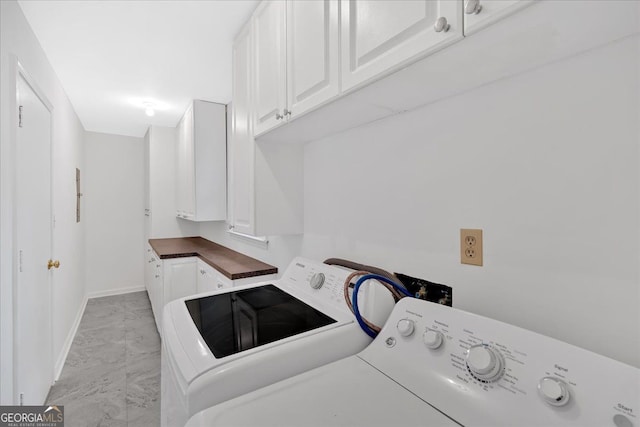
<point x="287" y="112"/>
<point x="220" y="285"/>
<point x="441" y="25"/>
<point x="472" y="7"/>
<point x="279" y="116"/>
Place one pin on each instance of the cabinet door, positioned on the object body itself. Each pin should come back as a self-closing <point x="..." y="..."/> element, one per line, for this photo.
<point x="269" y="64"/>
<point x="185" y="167"/>
<point x="312" y="54"/>
<point x="179" y="279"/>
<point x="181" y="164"/>
<point x="209" y="279"/>
<point x="189" y="172"/>
<point x="205" y="280"/>
<point x="380" y="36"/>
<point x="481" y="13"/>
<point x="241" y="145"/>
<point x="148" y="271"/>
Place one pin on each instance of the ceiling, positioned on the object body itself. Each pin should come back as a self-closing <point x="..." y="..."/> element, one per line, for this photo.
<point x="112" y="56"/>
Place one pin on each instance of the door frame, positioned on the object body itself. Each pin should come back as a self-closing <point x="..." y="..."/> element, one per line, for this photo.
<point x="8" y="243"/>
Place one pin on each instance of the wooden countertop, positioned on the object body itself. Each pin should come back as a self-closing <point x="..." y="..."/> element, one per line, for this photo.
<point x="232" y="264"/>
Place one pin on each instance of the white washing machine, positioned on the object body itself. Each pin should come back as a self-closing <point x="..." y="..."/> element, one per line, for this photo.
<point x="220" y="345"/>
<point x="438" y="366"/>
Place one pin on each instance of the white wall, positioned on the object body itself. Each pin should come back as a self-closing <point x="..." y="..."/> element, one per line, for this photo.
<point x="114" y="206"/>
<point x="546" y="163"/>
<point x="16" y="38"/>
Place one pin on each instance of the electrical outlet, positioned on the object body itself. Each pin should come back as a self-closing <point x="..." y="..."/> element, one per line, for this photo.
<point x="471" y="246"/>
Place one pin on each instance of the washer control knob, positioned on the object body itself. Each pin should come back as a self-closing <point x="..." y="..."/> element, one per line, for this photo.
<point x="405" y="327"/>
<point x="317" y="280"/>
<point x="485" y="363"/>
<point x="554" y="391"/>
<point x="432" y="339"/>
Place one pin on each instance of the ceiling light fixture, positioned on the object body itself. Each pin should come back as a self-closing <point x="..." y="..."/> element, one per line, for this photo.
<point x="149" y="109"/>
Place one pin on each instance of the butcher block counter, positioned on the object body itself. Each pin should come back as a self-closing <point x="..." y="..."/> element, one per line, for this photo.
<point x="228" y="262"/>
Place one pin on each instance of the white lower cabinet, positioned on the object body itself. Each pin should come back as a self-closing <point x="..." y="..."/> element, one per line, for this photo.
<point x="169" y="279"/>
<point x="209" y="279"/>
<point x="154" y="284"/>
<point x="179" y="278"/>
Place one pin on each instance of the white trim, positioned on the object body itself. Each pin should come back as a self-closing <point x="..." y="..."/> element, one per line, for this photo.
<point x="62" y="358"/>
<point x="118" y="291"/>
<point x="34" y="86"/>
<point x="8" y="272"/>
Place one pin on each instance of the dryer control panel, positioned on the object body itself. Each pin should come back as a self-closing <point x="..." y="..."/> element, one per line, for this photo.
<point x="480" y="371"/>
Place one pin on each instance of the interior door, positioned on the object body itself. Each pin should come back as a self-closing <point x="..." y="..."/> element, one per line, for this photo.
<point x="33" y="344"/>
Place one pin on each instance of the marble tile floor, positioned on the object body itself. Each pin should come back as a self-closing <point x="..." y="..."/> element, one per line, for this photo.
<point x="112" y="374"/>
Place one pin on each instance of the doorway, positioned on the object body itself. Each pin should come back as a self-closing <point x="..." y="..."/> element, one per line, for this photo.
<point x="33" y="359"/>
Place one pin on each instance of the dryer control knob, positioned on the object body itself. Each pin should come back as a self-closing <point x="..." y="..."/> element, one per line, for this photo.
<point x="554" y="391"/>
<point x="405" y="327"/>
<point x="485" y="363"/>
<point x="317" y="280"/>
<point x="432" y="339"/>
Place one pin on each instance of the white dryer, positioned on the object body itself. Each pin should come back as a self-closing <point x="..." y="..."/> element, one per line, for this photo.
<point x="220" y="345"/>
<point x="437" y="366"/>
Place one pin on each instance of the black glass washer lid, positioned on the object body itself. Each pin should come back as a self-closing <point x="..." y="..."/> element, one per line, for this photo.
<point x="236" y="321"/>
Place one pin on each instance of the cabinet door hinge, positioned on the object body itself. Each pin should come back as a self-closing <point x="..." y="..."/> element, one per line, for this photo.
<point x="20" y="116"/>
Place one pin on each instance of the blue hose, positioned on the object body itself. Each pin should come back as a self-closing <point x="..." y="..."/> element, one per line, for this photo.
<point x="356" y="310"/>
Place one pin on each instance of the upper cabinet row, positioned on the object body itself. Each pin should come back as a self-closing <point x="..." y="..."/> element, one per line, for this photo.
<point x="305" y="55"/>
<point x="201" y="163"/>
<point x="294" y="56"/>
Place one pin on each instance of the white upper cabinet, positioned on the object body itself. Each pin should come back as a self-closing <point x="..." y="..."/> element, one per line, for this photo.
<point x="201" y="163"/>
<point x="269" y="65"/>
<point x="380" y="36"/>
<point x="266" y="181"/>
<point x="185" y="167"/>
<point x="296" y="55"/>
<point x="481" y="13"/>
<point x="241" y="143"/>
<point x="312" y="54"/>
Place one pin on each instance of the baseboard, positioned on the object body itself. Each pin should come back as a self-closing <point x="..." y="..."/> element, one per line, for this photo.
<point x="118" y="291"/>
<point x="69" y="340"/>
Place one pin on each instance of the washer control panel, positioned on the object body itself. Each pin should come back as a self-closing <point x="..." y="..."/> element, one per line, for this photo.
<point x="480" y="371"/>
<point x="318" y="280"/>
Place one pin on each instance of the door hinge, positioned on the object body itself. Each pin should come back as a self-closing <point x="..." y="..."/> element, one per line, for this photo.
<point x="20" y="116"/>
<point x="20" y="261"/>
<point x="21" y="399"/>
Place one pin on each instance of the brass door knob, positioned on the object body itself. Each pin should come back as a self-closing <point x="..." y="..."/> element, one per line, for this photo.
<point x="53" y="264"/>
